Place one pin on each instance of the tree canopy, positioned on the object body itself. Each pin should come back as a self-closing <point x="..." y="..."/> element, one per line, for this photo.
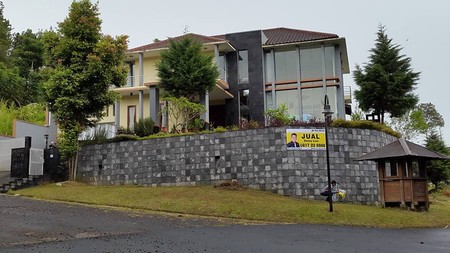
<point x="439" y="170"/>
<point x="386" y="83"/>
<point x="423" y="120"/>
<point x="84" y="63"/>
<point x="5" y="36"/>
<point x="184" y="71"/>
<point x="21" y="56"/>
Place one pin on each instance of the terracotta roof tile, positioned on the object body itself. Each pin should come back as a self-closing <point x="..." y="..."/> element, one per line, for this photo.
<point x="165" y="43"/>
<point x="274" y="36"/>
<point x="283" y="35"/>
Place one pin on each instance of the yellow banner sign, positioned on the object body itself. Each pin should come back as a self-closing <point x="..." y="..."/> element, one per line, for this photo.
<point x="305" y="139"/>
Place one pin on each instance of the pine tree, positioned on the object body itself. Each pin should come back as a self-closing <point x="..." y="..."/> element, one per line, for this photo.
<point x="386" y="83"/>
<point x="438" y="171"/>
<point x="185" y="71"/>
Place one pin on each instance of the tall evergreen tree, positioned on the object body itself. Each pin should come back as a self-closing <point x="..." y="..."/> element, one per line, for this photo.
<point x="438" y="171"/>
<point x="85" y="64"/>
<point x="184" y="71"/>
<point x="27" y="54"/>
<point x="5" y="36"/>
<point x="386" y="83"/>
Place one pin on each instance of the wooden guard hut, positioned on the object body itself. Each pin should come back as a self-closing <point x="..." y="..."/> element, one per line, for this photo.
<point x="402" y="173"/>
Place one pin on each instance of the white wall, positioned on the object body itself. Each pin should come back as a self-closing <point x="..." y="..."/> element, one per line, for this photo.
<point x="5" y="151"/>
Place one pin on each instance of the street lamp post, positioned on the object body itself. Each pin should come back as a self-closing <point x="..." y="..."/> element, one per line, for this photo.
<point x="327" y="113"/>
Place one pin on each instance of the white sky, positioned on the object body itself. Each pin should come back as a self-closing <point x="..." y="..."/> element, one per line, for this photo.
<point x="420" y="27"/>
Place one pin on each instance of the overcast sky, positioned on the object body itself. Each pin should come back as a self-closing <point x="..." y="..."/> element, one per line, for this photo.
<point x="420" y="27"/>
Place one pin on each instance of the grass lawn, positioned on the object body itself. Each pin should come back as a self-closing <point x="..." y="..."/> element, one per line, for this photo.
<point x="244" y="204"/>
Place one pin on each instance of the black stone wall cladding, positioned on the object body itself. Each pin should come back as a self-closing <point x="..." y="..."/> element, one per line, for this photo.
<point x="255" y="158"/>
<point x="250" y="41"/>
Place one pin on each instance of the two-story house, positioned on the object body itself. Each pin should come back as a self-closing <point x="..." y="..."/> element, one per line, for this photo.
<point x="259" y="70"/>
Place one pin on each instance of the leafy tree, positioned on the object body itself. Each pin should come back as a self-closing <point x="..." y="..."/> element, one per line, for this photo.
<point x="410" y="125"/>
<point x="386" y="82"/>
<point x="433" y="119"/>
<point x="27" y="54"/>
<point x="5" y="36"/>
<point x="85" y="64"/>
<point x="11" y="85"/>
<point x="181" y="111"/>
<point x="439" y="170"/>
<point x="422" y="120"/>
<point x="185" y="71"/>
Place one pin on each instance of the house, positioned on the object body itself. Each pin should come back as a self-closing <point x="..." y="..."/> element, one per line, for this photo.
<point x="259" y="70"/>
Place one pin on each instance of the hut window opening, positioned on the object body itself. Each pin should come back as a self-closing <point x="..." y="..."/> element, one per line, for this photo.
<point x="415" y="169"/>
<point x="391" y="169"/>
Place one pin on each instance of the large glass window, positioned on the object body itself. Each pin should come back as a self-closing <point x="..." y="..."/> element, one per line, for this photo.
<point x="290" y="99"/>
<point x="312" y="102"/>
<point x="311" y="62"/>
<point x="287" y="97"/>
<point x="243" y="66"/>
<point x="243" y="104"/>
<point x="286" y="65"/>
<point x="269" y="67"/>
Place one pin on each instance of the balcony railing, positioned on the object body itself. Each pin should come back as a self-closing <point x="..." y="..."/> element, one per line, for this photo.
<point x="133" y="81"/>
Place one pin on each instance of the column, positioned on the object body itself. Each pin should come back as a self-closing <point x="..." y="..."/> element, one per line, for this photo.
<point x="204" y="100"/>
<point x="117" y="115"/>
<point x="141" y="69"/>
<point x="154" y="105"/>
<point x="141" y="104"/>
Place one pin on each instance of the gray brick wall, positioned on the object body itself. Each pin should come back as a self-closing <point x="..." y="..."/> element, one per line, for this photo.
<point x="256" y="158"/>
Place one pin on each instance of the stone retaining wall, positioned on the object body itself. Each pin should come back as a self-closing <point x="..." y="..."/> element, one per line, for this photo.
<point x="257" y="158"/>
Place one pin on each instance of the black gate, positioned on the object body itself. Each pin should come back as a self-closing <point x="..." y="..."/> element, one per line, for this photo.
<point x="20" y="160"/>
<point x="52" y="166"/>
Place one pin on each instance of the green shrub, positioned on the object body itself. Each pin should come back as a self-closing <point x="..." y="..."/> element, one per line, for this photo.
<point x="233" y="128"/>
<point x="144" y="127"/>
<point x="124" y="137"/>
<point x="123" y="130"/>
<point x="279" y="116"/>
<point x="196" y="124"/>
<point x="32" y="113"/>
<point x="364" y="124"/>
<point x="220" y="129"/>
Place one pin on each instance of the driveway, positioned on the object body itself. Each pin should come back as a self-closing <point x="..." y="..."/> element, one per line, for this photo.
<point x="38" y="226"/>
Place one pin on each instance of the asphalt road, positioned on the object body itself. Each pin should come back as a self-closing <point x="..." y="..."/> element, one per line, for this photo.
<point x="28" y="225"/>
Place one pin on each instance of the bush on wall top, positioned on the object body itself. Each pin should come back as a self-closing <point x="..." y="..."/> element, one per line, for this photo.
<point x="364" y="124"/>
